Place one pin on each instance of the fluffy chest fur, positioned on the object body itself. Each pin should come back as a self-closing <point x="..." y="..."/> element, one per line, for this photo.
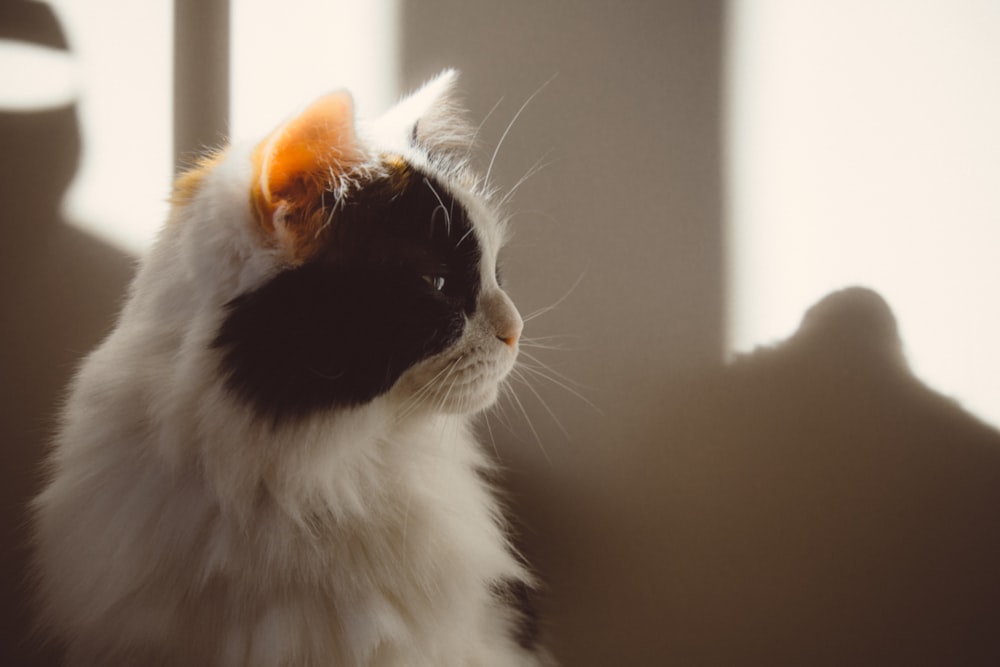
<point x="268" y="462"/>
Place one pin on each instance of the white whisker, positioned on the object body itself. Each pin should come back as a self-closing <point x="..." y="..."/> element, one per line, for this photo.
<point x="418" y="396"/>
<point x="544" y="404"/>
<point x="527" y="419"/>
<point x="464" y="236"/>
<point x="443" y="401"/>
<point x="510" y="217"/>
<point x="496" y="151"/>
<point x="489" y="430"/>
<point x="560" y="381"/>
<point x="479" y="128"/>
<point x="534" y="170"/>
<point x="546" y="309"/>
<point x="538" y="365"/>
<point x="440" y="206"/>
<point x="501" y="412"/>
<point x="329" y="216"/>
<point x="541" y="343"/>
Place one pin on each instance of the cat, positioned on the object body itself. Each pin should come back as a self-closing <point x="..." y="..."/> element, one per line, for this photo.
<point x="270" y="461"/>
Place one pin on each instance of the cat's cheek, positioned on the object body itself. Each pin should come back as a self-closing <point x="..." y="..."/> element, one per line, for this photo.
<point x="465" y="379"/>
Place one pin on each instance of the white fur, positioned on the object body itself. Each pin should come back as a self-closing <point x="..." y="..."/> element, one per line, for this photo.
<point x="179" y="529"/>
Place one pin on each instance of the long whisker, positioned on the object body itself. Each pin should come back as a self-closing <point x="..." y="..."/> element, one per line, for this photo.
<point x="527" y="419"/>
<point x="464" y="236"/>
<point x="489" y="430"/>
<point x="519" y="374"/>
<point x="546" y="309"/>
<point x="441" y="206"/>
<point x="539" y="365"/>
<point x="496" y="151"/>
<point x="479" y="128"/>
<point x="333" y="210"/>
<point x="539" y="212"/>
<point x="443" y="400"/>
<point x="562" y="384"/>
<point x="542" y="342"/>
<point x="414" y="401"/>
<point x="532" y="171"/>
<point x="428" y="386"/>
<point x="500" y="410"/>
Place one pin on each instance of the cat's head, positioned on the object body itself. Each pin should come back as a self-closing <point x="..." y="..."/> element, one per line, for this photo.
<point x="354" y="261"/>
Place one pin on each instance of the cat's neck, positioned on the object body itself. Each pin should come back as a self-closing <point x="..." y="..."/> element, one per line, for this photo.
<point x="330" y="462"/>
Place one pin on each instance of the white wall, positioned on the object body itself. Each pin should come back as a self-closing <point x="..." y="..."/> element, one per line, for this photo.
<point x="865" y="149"/>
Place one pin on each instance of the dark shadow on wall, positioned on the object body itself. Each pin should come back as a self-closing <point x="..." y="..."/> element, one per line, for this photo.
<point x="810" y="504"/>
<point x="60" y="290"/>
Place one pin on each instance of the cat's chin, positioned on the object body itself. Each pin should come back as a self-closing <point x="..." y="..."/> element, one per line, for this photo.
<point x="457" y="387"/>
<point x="471" y="402"/>
<point x="463" y="400"/>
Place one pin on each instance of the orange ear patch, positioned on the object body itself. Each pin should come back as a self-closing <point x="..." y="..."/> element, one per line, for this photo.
<point x="300" y="162"/>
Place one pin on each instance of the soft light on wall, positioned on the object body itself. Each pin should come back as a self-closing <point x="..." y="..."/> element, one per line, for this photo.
<point x="865" y="149"/>
<point x="283" y="59"/>
<point x="123" y="52"/>
<point x="123" y="55"/>
<point x="34" y="77"/>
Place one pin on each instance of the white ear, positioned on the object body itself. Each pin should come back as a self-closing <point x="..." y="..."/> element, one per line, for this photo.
<point x="429" y="119"/>
<point x="421" y="102"/>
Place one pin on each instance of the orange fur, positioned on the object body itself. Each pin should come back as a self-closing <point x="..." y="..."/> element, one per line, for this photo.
<point x="296" y="165"/>
<point x="189" y="182"/>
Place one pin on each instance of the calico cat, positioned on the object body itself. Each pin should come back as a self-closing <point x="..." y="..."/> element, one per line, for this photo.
<point x="269" y="461"/>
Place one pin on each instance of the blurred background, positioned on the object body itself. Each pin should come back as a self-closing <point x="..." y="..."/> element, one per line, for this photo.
<point x="692" y="490"/>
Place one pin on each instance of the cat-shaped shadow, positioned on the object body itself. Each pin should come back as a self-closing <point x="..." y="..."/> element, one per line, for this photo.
<point x="813" y="503"/>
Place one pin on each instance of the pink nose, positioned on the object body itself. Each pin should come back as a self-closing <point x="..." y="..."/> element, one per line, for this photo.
<point x="503" y="317"/>
<point x="511" y="341"/>
<point x="509" y="325"/>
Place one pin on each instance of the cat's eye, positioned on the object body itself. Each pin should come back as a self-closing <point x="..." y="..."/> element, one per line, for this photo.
<point x="437" y="282"/>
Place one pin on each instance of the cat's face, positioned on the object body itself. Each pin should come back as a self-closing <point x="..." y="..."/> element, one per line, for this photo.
<point x="384" y="277"/>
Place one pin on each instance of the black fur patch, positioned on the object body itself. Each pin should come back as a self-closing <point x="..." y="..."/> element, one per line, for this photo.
<point x="341" y="329"/>
<point x="521" y="598"/>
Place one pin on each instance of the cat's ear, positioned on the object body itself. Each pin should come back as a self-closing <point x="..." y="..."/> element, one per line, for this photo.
<point x="297" y="165"/>
<point x="430" y="119"/>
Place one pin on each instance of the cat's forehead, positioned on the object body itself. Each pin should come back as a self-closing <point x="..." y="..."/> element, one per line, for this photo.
<point x="450" y="190"/>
